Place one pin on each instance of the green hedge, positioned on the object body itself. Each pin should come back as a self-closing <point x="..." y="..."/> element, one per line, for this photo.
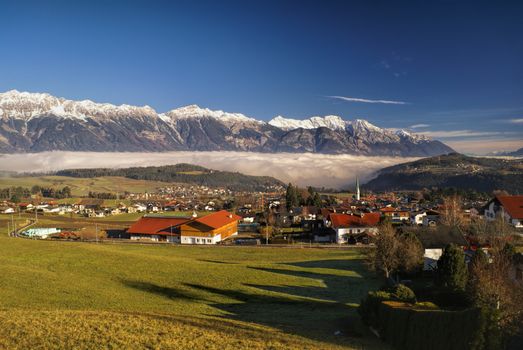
<point x="405" y="327"/>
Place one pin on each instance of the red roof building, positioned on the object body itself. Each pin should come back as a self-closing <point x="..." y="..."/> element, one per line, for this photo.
<point x="508" y="207"/>
<point x="346" y="220"/>
<point x="208" y="229"/>
<point x="346" y="227"/>
<point x="158" y="228"/>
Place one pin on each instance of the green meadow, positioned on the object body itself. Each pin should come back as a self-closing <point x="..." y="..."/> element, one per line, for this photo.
<point x="56" y="295"/>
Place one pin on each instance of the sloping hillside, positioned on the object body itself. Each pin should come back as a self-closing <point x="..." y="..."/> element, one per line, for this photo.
<point x="452" y="170"/>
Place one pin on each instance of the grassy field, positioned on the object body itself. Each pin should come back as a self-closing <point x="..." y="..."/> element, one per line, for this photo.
<point x="82" y="186"/>
<point x="118" y="296"/>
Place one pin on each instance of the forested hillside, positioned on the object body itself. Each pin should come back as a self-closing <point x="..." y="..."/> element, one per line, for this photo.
<point x="183" y="173"/>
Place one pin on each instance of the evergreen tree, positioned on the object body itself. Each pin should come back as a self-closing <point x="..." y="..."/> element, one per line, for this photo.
<point x="291" y="197"/>
<point x="452" y="270"/>
<point x="316" y="200"/>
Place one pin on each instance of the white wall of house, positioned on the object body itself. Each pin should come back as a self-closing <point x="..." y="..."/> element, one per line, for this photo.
<point x="342" y="234"/>
<point x="431" y="257"/>
<point x="154" y="238"/>
<point x="490" y="212"/>
<point x="418" y="219"/>
<point x="493" y="210"/>
<point x="203" y="240"/>
<point x="200" y="240"/>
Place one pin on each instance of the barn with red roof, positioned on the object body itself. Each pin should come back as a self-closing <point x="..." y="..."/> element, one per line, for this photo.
<point x="158" y="228"/>
<point x="208" y="229"/>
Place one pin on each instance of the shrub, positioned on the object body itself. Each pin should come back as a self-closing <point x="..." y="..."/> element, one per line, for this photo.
<point x="403" y="293"/>
<point x="426" y="305"/>
<point x="408" y="328"/>
<point x="368" y="308"/>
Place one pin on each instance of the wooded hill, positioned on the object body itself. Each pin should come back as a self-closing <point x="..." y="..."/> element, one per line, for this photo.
<point x="183" y="173"/>
<point x="452" y="170"/>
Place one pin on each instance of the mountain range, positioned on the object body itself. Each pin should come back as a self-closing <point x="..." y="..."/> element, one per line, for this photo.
<point x="452" y="170"/>
<point x="37" y="122"/>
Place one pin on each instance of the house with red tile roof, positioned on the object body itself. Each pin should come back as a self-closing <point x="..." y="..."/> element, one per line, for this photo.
<point x="210" y="229"/>
<point x="508" y="207"/>
<point x="396" y="215"/>
<point x="158" y="229"/>
<point x="352" y="228"/>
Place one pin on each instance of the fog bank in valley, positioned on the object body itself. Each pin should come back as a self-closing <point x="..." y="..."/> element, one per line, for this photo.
<point x="336" y="171"/>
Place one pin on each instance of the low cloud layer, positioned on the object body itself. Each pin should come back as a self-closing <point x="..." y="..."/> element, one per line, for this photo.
<point x="336" y="171"/>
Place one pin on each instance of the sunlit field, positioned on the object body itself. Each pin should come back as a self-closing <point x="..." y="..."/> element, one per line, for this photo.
<point x="88" y="295"/>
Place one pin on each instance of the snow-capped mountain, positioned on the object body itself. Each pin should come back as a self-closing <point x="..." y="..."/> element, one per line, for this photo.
<point x="25" y="105"/>
<point x="330" y="121"/>
<point x="34" y="122"/>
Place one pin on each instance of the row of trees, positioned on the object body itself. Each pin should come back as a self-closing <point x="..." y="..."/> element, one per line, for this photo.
<point x="101" y="195"/>
<point x="16" y="194"/>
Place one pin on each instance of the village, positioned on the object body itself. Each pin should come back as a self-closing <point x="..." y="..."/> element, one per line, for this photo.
<point x="208" y="216"/>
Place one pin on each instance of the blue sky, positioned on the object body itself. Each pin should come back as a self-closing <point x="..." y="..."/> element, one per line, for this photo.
<point x="455" y="68"/>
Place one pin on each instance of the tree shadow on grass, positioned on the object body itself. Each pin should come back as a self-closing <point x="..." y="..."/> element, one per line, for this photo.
<point x="314" y="319"/>
<point x="217" y="262"/>
<point x="314" y="312"/>
<point x="168" y="292"/>
<point x="355" y="265"/>
<point x="341" y="289"/>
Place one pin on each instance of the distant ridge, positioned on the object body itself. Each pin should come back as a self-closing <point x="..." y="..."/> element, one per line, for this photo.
<point x="36" y="122"/>
<point x="186" y="174"/>
<point x="452" y="170"/>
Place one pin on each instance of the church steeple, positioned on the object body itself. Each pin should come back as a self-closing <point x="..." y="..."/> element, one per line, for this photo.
<point x="357" y="189"/>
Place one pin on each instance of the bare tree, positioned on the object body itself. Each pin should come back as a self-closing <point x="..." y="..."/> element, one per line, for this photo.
<point x="451" y="213"/>
<point x="395" y="252"/>
<point x="491" y="287"/>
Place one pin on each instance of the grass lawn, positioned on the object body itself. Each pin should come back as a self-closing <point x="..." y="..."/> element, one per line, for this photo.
<point x="85" y="296"/>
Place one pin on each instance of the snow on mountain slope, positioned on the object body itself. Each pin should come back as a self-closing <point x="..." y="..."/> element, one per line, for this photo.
<point x="35" y="122"/>
<point x="194" y="111"/>
<point x="26" y="106"/>
<point x="330" y="121"/>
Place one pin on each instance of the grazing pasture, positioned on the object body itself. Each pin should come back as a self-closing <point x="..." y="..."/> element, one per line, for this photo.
<point x="88" y="295"/>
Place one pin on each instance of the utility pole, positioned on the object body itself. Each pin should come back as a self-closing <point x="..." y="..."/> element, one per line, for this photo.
<point x="13" y="223"/>
<point x="8" y="229"/>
